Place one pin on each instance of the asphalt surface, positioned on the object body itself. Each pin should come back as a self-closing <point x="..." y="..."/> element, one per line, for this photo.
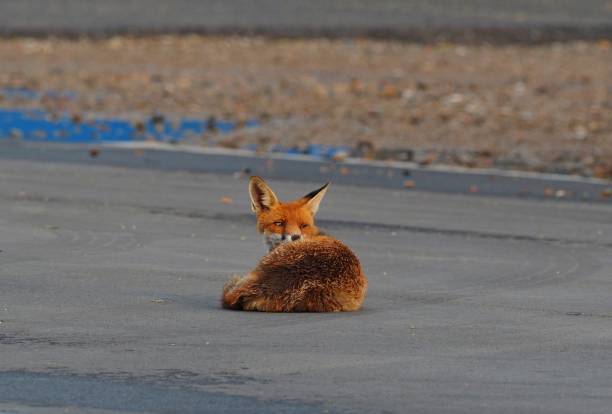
<point x="517" y="20"/>
<point x="110" y="282"/>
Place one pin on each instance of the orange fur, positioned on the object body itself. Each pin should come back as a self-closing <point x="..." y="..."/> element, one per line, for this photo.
<point x="312" y="273"/>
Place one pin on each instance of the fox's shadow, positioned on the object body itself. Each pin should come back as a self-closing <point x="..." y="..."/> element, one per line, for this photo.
<point x="213" y="303"/>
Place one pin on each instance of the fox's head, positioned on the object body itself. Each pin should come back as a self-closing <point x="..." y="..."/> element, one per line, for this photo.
<point x="284" y="222"/>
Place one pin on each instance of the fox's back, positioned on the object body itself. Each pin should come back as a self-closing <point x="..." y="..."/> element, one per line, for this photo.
<point x="313" y="273"/>
<point x="320" y="258"/>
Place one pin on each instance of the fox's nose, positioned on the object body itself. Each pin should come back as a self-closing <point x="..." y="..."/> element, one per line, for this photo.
<point x="295" y="237"/>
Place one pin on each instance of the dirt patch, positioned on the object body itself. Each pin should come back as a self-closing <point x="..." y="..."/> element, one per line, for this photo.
<point x="538" y="108"/>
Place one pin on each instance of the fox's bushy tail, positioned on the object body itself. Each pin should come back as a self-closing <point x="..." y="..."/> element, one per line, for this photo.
<point x="231" y="297"/>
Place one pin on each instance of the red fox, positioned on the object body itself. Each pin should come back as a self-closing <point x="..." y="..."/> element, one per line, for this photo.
<point x="305" y="270"/>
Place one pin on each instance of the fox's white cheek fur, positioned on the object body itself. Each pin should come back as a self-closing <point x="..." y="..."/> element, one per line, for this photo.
<point x="273" y="240"/>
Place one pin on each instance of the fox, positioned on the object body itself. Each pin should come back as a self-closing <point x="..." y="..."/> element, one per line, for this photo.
<point x="305" y="270"/>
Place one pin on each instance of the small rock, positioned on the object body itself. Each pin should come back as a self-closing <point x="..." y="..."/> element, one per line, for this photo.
<point x="357" y="86"/>
<point x="340" y="156"/>
<point x="409" y="95"/>
<point x="389" y="91"/>
<point x="581" y="133"/>
<point x="453" y="99"/>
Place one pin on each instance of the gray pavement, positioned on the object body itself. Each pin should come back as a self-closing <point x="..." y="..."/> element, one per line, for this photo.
<point x="517" y="20"/>
<point x="110" y="279"/>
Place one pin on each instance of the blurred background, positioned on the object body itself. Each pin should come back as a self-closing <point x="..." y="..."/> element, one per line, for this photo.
<point x="517" y="84"/>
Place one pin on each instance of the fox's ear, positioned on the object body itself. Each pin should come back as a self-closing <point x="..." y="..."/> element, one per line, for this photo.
<point x="262" y="196"/>
<point x="313" y="199"/>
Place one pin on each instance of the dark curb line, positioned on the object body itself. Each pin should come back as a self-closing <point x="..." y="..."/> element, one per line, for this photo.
<point x="397" y="175"/>
<point x="525" y="34"/>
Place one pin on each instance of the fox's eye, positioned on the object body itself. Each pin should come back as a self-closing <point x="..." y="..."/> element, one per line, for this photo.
<point x="279" y="223"/>
<point x="303" y="226"/>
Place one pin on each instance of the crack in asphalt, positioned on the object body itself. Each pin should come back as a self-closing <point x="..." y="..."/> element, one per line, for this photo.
<point x="325" y="223"/>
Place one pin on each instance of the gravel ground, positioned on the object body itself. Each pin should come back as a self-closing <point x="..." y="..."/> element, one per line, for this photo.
<point x="537" y="108"/>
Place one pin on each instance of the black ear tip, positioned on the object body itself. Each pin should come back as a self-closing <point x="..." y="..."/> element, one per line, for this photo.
<point x="317" y="191"/>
